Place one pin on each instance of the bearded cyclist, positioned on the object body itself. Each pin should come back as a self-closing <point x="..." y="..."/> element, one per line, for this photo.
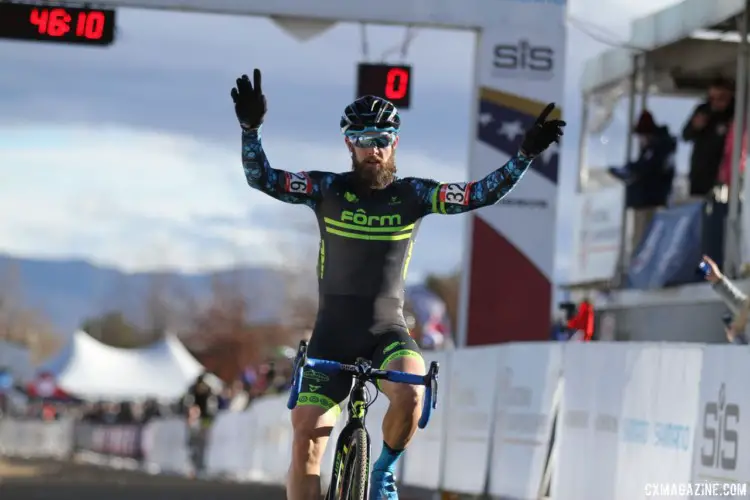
<point x="368" y="220"/>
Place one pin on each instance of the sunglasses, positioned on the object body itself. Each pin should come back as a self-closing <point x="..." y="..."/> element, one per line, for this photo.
<point x="371" y="138"/>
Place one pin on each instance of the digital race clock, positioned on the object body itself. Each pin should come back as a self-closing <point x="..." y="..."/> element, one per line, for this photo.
<point x="386" y="81"/>
<point x="57" y="23"/>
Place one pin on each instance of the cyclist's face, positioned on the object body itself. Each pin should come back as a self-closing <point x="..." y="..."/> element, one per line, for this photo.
<point x="376" y="165"/>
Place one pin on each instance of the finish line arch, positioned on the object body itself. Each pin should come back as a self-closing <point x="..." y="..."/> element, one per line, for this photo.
<point x="508" y="264"/>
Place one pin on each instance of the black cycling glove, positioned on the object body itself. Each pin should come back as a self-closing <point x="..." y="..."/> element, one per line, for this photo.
<point x="542" y="134"/>
<point x="249" y="101"/>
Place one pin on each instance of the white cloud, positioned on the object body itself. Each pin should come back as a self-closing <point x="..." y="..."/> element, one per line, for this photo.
<point x="144" y="200"/>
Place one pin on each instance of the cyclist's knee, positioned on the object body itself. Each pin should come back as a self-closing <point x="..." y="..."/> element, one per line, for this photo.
<point x="406" y="397"/>
<point x="312" y="426"/>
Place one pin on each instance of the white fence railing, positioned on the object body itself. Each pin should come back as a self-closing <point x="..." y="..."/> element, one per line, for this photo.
<point x="30" y="439"/>
<point x="630" y="421"/>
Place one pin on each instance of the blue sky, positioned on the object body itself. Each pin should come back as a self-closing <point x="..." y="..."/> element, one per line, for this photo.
<point x="129" y="156"/>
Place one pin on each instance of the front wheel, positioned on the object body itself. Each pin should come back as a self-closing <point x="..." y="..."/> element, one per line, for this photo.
<point x="351" y="475"/>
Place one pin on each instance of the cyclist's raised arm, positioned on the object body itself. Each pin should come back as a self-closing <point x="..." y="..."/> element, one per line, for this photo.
<point x="301" y="187"/>
<point x="459" y="197"/>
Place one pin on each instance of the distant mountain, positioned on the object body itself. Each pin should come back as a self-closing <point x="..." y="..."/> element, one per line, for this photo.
<point x="67" y="291"/>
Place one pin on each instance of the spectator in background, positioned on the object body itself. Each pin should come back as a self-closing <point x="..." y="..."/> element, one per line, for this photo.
<point x="582" y="324"/>
<point x="559" y="331"/>
<point x="240" y="397"/>
<point x="737" y="302"/>
<point x="234" y="397"/>
<point x="111" y="413"/>
<point x="48" y="412"/>
<point x="202" y="396"/>
<point x="433" y="334"/>
<point x="267" y="375"/>
<point x="197" y="438"/>
<point x="151" y="410"/>
<point x="707" y="130"/>
<point x="649" y="178"/>
<point x="94" y="413"/>
<point x="125" y="414"/>
<point x="249" y="377"/>
<point x="224" y="398"/>
<point x="201" y="404"/>
<point x="725" y="168"/>
<point x="733" y="330"/>
<point x="427" y="318"/>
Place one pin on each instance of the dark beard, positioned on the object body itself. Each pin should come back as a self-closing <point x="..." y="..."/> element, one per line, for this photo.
<point x="374" y="178"/>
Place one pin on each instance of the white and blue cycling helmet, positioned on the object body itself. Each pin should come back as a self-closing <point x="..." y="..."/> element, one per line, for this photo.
<point x="370" y="114"/>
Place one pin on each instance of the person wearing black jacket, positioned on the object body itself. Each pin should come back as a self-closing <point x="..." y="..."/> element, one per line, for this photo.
<point x="649" y="178"/>
<point x="201" y="404"/>
<point x="202" y="396"/>
<point x="707" y="130"/>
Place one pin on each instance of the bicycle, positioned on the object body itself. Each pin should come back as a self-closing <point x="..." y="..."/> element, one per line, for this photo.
<point x="350" y="478"/>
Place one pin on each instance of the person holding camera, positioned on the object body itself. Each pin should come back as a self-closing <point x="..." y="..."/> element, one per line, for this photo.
<point x="737" y="302"/>
<point x="707" y="129"/>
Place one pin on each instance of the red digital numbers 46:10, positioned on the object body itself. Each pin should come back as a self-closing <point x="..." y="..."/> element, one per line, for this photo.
<point x="57" y="22"/>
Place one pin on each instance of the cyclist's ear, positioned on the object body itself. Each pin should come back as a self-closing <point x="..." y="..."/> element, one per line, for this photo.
<point x="395" y="142"/>
<point x="349" y="145"/>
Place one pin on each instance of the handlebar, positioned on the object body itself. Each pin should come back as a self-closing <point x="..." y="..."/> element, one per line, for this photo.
<point x="365" y="372"/>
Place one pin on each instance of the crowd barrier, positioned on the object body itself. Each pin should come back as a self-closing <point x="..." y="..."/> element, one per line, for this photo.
<point x="33" y="439"/>
<point x="114" y="440"/>
<point x="573" y="421"/>
<point x="164" y="446"/>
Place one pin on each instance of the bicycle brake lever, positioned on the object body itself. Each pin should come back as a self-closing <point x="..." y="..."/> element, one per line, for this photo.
<point x="434" y="390"/>
<point x="434" y="369"/>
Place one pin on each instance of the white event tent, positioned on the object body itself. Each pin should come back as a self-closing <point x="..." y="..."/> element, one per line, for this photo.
<point x="88" y="369"/>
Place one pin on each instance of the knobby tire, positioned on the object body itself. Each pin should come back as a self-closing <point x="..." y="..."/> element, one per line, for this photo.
<point x="355" y="471"/>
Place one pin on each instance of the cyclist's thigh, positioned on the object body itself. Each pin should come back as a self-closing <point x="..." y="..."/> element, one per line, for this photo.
<point x="325" y="391"/>
<point x="313" y="422"/>
<point x="397" y="350"/>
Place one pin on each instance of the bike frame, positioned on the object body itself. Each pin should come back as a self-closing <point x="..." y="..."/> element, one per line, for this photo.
<point x="362" y="372"/>
<point x="357" y="413"/>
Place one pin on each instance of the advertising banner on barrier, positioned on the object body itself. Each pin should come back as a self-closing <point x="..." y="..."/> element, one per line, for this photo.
<point x="722" y="436"/>
<point x="117" y="440"/>
<point x="423" y="459"/>
<point x="529" y="376"/>
<point x="628" y="417"/>
<point x="473" y="381"/>
<point x="587" y="435"/>
<point x="658" y="418"/>
<point x="670" y="250"/>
